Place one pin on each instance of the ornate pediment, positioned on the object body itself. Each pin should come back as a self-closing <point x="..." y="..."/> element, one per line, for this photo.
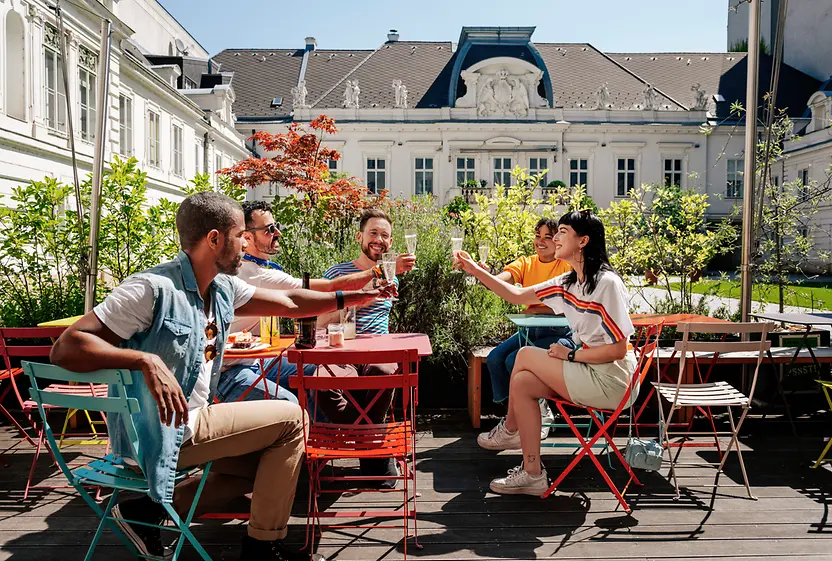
<point x="502" y="87"/>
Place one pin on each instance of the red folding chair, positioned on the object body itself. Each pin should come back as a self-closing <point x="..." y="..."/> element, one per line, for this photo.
<point x="28" y="406"/>
<point x="327" y="442"/>
<point x="645" y="355"/>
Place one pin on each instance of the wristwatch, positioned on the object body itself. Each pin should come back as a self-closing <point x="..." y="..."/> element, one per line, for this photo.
<point x="571" y="356"/>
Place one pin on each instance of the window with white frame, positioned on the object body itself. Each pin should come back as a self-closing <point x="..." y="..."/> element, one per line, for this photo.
<point x="465" y="171"/>
<point x="423" y="168"/>
<point x="125" y="125"/>
<point x="87" y="64"/>
<point x="154" y="145"/>
<point x="537" y="165"/>
<point x="733" y="189"/>
<point x="55" y="94"/>
<point x="502" y="171"/>
<point x="673" y="172"/>
<point x="625" y="176"/>
<point x="333" y="166"/>
<point x="178" y="151"/>
<point x="804" y="183"/>
<point x="376" y="175"/>
<point x="579" y="172"/>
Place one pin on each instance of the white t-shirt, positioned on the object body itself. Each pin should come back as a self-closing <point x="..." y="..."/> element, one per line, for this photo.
<point x="129" y="310"/>
<point x="600" y="318"/>
<point x="259" y="277"/>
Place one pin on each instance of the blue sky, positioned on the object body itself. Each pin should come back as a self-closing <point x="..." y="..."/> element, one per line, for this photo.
<point x="610" y="25"/>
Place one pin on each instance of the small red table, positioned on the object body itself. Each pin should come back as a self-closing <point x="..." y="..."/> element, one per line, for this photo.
<point x="386" y="342"/>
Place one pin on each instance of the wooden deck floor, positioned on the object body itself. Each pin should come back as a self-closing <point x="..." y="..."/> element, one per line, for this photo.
<point x="460" y="519"/>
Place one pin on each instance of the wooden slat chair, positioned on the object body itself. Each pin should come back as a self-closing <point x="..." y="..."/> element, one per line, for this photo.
<point x="28" y="406"/>
<point x="108" y="471"/>
<point x="327" y="442"/>
<point x="709" y="395"/>
<point x="606" y="420"/>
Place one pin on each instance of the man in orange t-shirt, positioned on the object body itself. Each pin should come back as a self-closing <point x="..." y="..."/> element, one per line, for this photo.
<point x="529" y="271"/>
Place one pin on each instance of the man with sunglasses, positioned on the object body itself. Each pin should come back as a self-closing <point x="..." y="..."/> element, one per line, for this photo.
<point x="169" y="325"/>
<point x="240" y="377"/>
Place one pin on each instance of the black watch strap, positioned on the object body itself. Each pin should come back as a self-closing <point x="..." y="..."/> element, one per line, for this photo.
<point x="571" y="355"/>
<point x="339" y="299"/>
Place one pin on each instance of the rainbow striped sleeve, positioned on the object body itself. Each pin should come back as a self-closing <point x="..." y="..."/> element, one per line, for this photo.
<point x="583" y="307"/>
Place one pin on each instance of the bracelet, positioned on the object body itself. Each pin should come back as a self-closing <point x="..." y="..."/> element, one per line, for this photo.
<point x="339" y="299"/>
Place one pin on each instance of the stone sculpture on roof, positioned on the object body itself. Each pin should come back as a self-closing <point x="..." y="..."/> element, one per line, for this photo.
<point x="351" y="94"/>
<point x="501" y="87"/>
<point x="501" y="95"/>
<point x="299" y="94"/>
<point x="651" y="98"/>
<point x="603" y="100"/>
<point x="399" y="94"/>
<point x="700" y="97"/>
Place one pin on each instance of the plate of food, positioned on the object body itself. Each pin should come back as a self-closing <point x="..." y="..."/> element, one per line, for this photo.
<point x="243" y="342"/>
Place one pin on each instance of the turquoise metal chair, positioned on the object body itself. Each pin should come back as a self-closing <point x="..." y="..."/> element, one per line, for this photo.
<point x="108" y="471"/>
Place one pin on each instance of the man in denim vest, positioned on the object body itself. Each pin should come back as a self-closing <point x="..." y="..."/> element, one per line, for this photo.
<point x="169" y="325"/>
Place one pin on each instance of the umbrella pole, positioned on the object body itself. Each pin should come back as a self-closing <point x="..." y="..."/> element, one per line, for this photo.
<point x="749" y="174"/>
<point x="98" y="160"/>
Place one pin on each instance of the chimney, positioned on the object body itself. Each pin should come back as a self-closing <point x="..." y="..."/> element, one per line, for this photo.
<point x="393" y="36"/>
<point x="311" y="44"/>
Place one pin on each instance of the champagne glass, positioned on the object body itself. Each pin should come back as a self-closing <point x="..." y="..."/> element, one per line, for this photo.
<point x="456" y="244"/>
<point x="410" y="242"/>
<point x="388" y="262"/>
<point x="483" y="252"/>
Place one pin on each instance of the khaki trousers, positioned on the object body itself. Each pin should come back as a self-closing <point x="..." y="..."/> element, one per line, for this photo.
<point x="256" y="447"/>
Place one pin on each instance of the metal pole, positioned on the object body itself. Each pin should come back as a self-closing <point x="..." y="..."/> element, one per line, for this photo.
<point x="749" y="174"/>
<point x="103" y="101"/>
<point x="79" y="207"/>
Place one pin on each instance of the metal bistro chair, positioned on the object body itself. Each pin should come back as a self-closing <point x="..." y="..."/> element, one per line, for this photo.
<point x="646" y="353"/>
<point x="327" y="442"/>
<point x="29" y="335"/>
<point x="707" y="395"/>
<point x="107" y="471"/>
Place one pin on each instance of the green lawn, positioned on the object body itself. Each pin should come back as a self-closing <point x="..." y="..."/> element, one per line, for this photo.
<point x="807" y="295"/>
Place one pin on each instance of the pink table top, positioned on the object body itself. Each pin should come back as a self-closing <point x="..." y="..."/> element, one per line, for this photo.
<point x="388" y="342"/>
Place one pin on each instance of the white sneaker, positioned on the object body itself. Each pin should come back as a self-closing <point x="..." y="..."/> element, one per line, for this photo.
<point x="499" y="438"/>
<point x="518" y="482"/>
<point x="546" y="418"/>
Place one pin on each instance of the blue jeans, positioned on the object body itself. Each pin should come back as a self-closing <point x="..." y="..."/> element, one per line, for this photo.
<point x="501" y="360"/>
<point x="237" y="379"/>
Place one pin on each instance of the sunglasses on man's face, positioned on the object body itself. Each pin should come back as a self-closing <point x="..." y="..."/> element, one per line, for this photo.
<point x="271" y="229"/>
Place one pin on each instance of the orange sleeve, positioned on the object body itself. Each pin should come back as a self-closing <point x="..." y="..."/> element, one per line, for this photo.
<point x="517" y="268"/>
<point x="560" y="268"/>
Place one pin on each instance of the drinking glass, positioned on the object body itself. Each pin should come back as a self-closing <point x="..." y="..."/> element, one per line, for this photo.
<point x="348" y="319"/>
<point x="388" y="262"/>
<point x="410" y="242"/>
<point x="270" y="330"/>
<point x="456" y="244"/>
<point x="483" y="252"/>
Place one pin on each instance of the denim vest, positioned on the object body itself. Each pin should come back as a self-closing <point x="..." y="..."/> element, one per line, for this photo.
<point x="177" y="336"/>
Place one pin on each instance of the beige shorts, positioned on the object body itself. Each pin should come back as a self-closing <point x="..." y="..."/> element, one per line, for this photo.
<point x="600" y="386"/>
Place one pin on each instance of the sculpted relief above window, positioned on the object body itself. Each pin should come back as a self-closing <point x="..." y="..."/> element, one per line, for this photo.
<point x="502" y="87"/>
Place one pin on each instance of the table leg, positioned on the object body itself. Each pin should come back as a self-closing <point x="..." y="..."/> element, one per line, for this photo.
<point x="475" y="391"/>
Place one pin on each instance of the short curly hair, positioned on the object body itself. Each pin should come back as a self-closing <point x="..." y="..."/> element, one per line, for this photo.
<point x="202" y="212"/>
<point x="250" y="207"/>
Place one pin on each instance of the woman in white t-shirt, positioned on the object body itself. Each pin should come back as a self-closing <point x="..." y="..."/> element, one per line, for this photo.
<point x="596" y="374"/>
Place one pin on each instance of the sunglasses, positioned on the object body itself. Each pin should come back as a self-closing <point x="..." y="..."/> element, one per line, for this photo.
<point x="211" y="332"/>
<point x="270" y="229"/>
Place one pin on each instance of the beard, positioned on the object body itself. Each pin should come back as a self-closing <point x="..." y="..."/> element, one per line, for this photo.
<point x="269" y="248"/>
<point x="373" y="254"/>
<point x="229" y="260"/>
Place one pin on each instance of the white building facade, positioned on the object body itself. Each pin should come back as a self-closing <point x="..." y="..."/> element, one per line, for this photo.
<point x="424" y="117"/>
<point x="174" y="128"/>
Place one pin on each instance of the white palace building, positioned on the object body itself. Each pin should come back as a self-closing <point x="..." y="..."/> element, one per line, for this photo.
<point x="427" y="117"/>
<point x="168" y="106"/>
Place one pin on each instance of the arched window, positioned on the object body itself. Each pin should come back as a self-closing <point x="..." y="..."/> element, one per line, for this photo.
<point x="15" y="66"/>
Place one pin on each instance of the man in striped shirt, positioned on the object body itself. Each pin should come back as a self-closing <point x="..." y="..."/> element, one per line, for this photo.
<point x="375" y="237"/>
